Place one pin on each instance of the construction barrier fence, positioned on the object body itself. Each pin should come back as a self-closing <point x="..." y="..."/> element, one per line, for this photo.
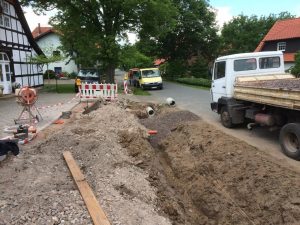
<point x="94" y="91"/>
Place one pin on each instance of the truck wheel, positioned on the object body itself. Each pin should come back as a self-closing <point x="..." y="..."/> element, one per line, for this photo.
<point x="290" y="140"/>
<point x="225" y="118"/>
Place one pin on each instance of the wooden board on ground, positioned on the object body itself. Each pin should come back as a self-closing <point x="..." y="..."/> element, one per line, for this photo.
<point x="96" y="212"/>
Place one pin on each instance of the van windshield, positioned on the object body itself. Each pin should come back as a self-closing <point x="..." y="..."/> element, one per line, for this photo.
<point x="150" y="73"/>
<point x="88" y="73"/>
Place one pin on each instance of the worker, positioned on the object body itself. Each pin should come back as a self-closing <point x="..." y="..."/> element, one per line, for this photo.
<point x="126" y="76"/>
<point x="78" y="84"/>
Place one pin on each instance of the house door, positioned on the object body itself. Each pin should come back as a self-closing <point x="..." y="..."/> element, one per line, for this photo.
<point x="5" y="74"/>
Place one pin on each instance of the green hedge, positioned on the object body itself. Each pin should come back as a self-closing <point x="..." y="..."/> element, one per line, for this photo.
<point x="195" y="81"/>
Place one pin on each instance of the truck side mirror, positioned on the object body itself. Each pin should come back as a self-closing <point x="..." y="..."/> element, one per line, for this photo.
<point x="210" y="71"/>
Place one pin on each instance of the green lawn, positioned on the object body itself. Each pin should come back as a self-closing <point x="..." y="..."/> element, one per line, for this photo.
<point x="140" y="91"/>
<point x="195" y="82"/>
<point x="135" y="90"/>
<point x="61" y="88"/>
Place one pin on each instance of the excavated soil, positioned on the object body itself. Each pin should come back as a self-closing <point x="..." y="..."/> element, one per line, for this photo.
<point x="189" y="173"/>
<point x="204" y="176"/>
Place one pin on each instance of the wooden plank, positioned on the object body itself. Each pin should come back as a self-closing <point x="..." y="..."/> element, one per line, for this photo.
<point x="96" y="212"/>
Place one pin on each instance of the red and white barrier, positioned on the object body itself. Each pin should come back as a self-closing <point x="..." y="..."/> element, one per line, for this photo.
<point x="125" y="87"/>
<point x="94" y="91"/>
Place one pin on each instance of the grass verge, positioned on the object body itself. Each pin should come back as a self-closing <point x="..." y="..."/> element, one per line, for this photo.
<point x="199" y="82"/>
<point x="140" y="91"/>
<point x="61" y="88"/>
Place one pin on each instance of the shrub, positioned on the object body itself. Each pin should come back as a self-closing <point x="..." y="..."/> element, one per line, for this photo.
<point x="51" y="74"/>
<point x="195" y="81"/>
<point x="73" y="75"/>
<point x="175" y="69"/>
<point x="199" y="68"/>
<point x="296" y="69"/>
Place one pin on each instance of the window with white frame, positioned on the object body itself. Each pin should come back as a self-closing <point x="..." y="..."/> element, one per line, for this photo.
<point x="281" y="46"/>
<point x="5" y="6"/>
<point x="1" y="20"/>
<point x="6" y="21"/>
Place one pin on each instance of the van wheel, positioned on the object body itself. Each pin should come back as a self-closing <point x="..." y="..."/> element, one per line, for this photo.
<point x="225" y="118"/>
<point x="290" y="140"/>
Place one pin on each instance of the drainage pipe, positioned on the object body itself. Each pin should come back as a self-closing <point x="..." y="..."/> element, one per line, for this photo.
<point x="150" y="111"/>
<point x="170" y="101"/>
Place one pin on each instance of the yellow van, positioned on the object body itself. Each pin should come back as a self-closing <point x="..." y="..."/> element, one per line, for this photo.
<point x="150" y="78"/>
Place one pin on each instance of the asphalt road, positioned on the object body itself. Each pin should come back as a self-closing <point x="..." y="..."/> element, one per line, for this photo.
<point x="198" y="102"/>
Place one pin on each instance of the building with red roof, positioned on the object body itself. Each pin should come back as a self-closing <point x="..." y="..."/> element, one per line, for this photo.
<point x="48" y="39"/>
<point x="283" y="36"/>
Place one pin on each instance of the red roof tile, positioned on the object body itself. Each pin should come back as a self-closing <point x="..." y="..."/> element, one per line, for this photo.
<point x="282" y="29"/>
<point x="289" y="57"/>
<point x="39" y="31"/>
<point x="158" y="62"/>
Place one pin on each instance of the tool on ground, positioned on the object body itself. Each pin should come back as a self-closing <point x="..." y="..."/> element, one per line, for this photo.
<point x="97" y="214"/>
<point x="151" y="132"/>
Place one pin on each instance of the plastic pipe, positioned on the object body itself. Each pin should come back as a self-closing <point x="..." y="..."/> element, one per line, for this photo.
<point x="170" y="101"/>
<point x="150" y="111"/>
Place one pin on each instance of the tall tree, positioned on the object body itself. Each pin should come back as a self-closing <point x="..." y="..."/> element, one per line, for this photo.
<point x="91" y="29"/>
<point x="131" y="57"/>
<point x="243" y="33"/>
<point x="194" y="35"/>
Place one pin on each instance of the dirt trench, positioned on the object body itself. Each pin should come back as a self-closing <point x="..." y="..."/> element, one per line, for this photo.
<point x="189" y="173"/>
<point x="204" y="176"/>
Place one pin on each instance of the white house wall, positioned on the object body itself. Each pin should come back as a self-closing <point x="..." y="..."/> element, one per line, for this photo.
<point x="14" y="42"/>
<point x="51" y="42"/>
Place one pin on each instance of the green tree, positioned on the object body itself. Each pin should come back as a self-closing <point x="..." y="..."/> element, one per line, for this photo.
<point x="194" y="35"/>
<point x="296" y="68"/>
<point x="243" y="33"/>
<point x="131" y="57"/>
<point x="91" y="29"/>
<point x="47" y="58"/>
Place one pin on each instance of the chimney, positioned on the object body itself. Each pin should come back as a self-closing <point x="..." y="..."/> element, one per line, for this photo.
<point x="39" y="28"/>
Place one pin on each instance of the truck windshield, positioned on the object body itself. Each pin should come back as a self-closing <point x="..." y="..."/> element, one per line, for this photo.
<point x="150" y="73"/>
<point x="88" y="73"/>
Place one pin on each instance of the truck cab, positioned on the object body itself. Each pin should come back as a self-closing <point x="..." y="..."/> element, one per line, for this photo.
<point x="150" y="78"/>
<point x="227" y="68"/>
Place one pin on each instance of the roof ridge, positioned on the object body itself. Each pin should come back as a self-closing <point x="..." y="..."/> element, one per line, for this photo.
<point x="296" y="18"/>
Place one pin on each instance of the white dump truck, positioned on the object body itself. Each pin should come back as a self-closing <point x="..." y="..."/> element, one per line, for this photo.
<point x="253" y="89"/>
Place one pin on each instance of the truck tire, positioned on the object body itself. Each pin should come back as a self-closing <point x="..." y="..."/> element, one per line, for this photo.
<point x="290" y="140"/>
<point x="225" y="117"/>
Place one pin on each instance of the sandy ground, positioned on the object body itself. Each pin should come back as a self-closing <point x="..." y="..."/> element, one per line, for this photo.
<point x="189" y="173"/>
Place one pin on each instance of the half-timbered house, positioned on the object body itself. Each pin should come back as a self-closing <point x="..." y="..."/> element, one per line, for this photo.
<point x="17" y="46"/>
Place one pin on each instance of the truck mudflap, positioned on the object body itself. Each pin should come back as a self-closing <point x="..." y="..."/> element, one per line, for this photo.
<point x="235" y="109"/>
<point x="214" y="106"/>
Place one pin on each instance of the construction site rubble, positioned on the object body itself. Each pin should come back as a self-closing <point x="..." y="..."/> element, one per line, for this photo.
<point x="184" y="171"/>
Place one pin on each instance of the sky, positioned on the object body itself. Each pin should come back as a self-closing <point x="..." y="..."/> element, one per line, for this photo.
<point x="226" y="10"/>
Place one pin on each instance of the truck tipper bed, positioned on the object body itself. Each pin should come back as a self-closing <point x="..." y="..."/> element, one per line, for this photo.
<point x="276" y="90"/>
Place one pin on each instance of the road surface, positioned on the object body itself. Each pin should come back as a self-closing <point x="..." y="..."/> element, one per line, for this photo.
<point x="198" y="101"/>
